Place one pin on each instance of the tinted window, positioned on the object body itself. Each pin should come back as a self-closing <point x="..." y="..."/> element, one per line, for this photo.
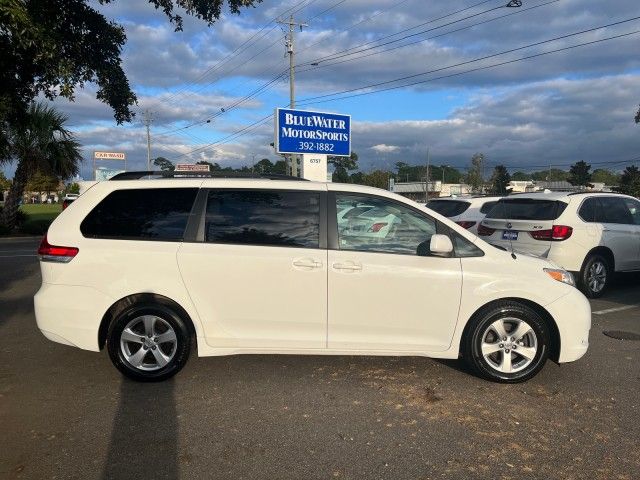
<point x="614" y="210"/>
<point x="150" y="213"/>
<point x="254" y="217"/>
<point x="388" y="227"/>
<point x="486" y="208"/>
<point x="634" y="209"/>
<point x="448" y="208"/>
<point x="527" y="209"/>
<point x="588" y="210"/>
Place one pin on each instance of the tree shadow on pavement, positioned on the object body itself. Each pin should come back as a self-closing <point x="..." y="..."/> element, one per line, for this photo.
<point x="144" y="438"/>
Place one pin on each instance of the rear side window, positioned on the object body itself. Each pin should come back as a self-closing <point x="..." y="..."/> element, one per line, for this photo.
<point x="448" y="208"/>
<point x="486" y="208"/>
<point x="254" y="217"/>
<point x="588" y="210"/>
<point x="527" y="209"/>
<point x="145" y="214"/>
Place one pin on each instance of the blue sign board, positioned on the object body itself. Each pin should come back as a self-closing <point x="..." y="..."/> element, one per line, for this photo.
<point x="299" y="131"/>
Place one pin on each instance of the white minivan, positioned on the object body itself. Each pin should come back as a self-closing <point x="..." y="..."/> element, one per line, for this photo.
<point x="148" y="267"/>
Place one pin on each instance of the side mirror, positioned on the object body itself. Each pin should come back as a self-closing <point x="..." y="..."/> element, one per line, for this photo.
<point x="440" y="245"/>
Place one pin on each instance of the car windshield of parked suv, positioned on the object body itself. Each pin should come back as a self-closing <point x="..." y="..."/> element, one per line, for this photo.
<point x="448" y="208"/>
<point x="527" y="209"/>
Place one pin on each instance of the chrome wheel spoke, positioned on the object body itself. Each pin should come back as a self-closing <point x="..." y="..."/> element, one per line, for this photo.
<point x="161" y="358"/>
<point x="149" y="323"/>
<point x="521" y="331"/>
<point x="527" y="352"/>
<point x="137" y="358"/>
<point x="489" y="348"/>
<point x="129" y="335"/>
<point x="168" y="336"/>
<point x="498" y="327"/>
<point x="505" y="365"/>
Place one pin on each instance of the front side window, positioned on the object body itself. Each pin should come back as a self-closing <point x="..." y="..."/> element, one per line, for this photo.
<point x="145" y="214"/>
<point x="386" y="227"/>
<point x="615" y="210"/>
<point x="634" y="209"/>
<point x="263" y="217"/>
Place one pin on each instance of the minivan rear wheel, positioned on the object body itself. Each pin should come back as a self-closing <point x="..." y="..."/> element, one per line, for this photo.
<point x="595" y="276"/>
<point x="149" y="342"/>
<point x="507" y="342"/>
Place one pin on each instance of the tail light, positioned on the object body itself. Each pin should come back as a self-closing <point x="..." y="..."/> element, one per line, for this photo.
<point x="466" y="224"/>
<point x="485" y="231"/>
<point x="53" y="253"/>
<point x="376" y="227"/>
<point x="557" y="233"/>
<point x="65" y="204"/>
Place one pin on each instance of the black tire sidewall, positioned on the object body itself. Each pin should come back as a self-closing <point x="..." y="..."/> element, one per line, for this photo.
<point x="183" y="346"/>
<point x="473" y="354"/>
<point x="583" y="275"/>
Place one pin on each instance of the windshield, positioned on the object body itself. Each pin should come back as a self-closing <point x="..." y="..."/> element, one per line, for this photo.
<point x="527" y="209"/>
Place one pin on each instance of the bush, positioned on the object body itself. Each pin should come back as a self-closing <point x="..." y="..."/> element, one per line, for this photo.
<point x="36" y="227"/>
<point x="4" y="230"/>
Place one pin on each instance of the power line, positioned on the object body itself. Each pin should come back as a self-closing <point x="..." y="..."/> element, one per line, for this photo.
<point x="240" y="132"/>
<point x="343" y="53"/>
<point x="466" y="27"/>
<point x="312" y="100"/>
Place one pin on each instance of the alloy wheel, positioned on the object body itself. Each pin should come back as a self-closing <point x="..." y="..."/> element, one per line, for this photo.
<point x="509" y="345"/>
<point x="148" y="343"/>
<point x="596" y="276"/>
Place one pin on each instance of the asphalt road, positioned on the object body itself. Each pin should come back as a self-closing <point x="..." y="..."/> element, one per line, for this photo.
<point x="67" y="413"/>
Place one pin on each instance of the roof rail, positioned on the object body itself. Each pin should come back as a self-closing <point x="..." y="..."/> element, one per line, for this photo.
<point x="591" y="191"/>
<point x="172" y="174"/>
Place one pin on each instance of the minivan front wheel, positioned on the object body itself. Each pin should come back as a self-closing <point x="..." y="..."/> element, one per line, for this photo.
<point x="507" y="343"/>
<point x="595" y="276"/>
<point x="149" y="342"/>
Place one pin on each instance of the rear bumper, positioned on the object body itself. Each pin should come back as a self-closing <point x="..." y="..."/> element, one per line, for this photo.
<point x="572" y="314"/>
<point x="71" y="314"/>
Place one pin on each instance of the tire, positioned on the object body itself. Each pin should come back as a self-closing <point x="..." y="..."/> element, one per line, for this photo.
<point x="499" y="360"/>
<point x="595" y="276"/>
<point x="149" y="342"/>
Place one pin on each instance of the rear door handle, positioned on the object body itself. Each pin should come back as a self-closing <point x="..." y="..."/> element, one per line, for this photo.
<point x="307" y="263"/>
<point x="348" y="266"/>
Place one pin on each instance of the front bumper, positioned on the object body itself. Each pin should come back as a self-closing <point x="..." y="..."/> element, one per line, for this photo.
<point x="71" y="314"/>
<point x="572" y="314"/>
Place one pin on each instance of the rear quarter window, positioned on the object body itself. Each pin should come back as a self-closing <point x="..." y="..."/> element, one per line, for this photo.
<point x="145" y="214"/>
<point x="486" y="208"/>
<point x="527" y="209"/>
<point x="448" y="208"/>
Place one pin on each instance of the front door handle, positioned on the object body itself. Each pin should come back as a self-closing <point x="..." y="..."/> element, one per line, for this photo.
<point x="307" y="263"/>
<point x="348" y="266"/>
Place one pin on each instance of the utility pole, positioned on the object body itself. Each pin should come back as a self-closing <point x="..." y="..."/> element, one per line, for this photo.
<point x="292" y="89"/>
<point x="148" y="118"/>
<point x="426" y="189"/>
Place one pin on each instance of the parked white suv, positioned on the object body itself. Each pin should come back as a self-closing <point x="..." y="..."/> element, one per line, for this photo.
<point x="467" y="212"/>
<point x="147" y="267"/>
<point x="591" y="234"/>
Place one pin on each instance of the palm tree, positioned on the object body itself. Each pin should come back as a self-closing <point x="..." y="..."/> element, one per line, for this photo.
<point x="39" y="143"/>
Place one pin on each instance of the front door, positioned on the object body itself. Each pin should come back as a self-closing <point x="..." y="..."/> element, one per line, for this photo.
<point x="258" y="278"/>
<point x="386" y="292"/>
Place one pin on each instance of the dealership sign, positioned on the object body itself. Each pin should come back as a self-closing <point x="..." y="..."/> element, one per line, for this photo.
<point x="299" y="131"/>
<point x="109" y="156"/>
<point x="190" y="167"/>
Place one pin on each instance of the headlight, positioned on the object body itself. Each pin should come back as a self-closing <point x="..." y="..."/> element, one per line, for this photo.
<point x="561" y="276"/>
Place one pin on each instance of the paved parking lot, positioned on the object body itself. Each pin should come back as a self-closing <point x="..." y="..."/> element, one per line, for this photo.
<point x="66" y="413"/>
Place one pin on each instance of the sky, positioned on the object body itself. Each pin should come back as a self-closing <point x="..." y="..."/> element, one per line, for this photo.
<point x="465" y="85"/>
